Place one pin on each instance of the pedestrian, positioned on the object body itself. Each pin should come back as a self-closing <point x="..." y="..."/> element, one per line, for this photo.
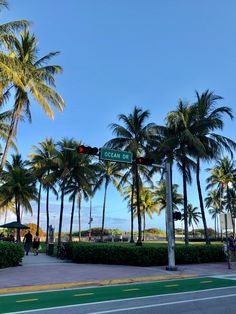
<point x="232" y="248"/>
<point x="27" y="242"/>
<point x="36" y="244"/>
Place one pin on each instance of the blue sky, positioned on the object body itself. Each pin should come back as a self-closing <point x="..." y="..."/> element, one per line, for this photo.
<point x="118" y="54"/>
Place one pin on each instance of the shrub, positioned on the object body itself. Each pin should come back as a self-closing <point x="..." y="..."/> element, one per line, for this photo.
<point x="10" y="254"/>
<point x="97" y="253"/>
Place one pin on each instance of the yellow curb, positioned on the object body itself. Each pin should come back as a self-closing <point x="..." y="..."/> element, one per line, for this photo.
<point x="91" y="283"/>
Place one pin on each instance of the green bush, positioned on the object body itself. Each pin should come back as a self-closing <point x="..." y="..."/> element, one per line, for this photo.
<point x="97" y="253"/>
<point x="10" y="254"/>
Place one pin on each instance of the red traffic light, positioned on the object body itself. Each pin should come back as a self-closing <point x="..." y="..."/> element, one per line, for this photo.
<point x="144" y="161"/>
<point x="87" y="150"/>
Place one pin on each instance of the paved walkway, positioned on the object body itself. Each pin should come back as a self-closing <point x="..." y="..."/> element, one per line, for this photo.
<point x="45" y="272"/>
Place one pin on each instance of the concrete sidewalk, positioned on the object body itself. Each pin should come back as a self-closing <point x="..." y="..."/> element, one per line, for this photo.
<point x="44" y="272"/>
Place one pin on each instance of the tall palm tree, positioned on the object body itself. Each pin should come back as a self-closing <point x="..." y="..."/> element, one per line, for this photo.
<point x="9" y="66"/>
<point x="18" y="186"/>
<point x="182" y="142"/>
<point x="108" y="172"/>
<point x="208" y="119"/>
<point x="223" y="175"/>
<point x="38" y="81"/>
<point x="42" y="162"/>
<point x="132" y="136"/>
<point x="61" y="174"/>
<point x="83" y="177"/>
<point x="214" y="204"/>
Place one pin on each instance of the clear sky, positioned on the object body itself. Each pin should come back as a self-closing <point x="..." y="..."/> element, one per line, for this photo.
<point x="118" y="54"/>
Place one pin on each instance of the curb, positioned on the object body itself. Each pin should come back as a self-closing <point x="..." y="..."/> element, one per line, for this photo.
<point x="68" y="285"/>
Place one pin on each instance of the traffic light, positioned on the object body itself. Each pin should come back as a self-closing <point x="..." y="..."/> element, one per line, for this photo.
<point x="177" y="216"/>
<point x="144" y="161"/>
<point x="87" y="150"/>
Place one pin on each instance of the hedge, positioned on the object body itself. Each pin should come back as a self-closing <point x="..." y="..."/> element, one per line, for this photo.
<point x="10" y="254"/>
<point x="97" y="253"/>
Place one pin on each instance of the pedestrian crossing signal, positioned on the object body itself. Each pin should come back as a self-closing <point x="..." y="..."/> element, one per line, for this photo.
<point x="144" y="161"/>
<point x="177" y="216"/>
<point x="87" y="150"/>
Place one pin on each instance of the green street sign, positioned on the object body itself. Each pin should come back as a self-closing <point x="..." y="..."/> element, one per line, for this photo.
<point x="116" y="155"/>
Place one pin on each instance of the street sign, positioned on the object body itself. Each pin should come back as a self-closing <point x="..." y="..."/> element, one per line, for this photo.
<point x="116" y="155"/>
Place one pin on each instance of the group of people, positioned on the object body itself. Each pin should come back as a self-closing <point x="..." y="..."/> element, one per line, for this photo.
<point x="10" y="237"/>
<point x="29" y="242"/>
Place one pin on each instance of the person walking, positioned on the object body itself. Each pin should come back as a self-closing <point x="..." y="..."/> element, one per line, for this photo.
<point x="36" y="244"/>
<point x="27" y="242"/>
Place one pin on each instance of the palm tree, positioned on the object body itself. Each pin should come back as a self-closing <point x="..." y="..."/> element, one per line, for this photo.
<point x="83" y="177"/>
<point x="159" y="192"/>
<point x="38" y="81"/>
<point x="181" y="142"/>
<point x="4" y="127"/>
<point x="18" y="186"/>
<point x="8" y="65"/>
<point x="61" y="173"/>
<point x="132" y="136"/>
<point x="148" y="206"/>
<point x="214" y="204"/>
<point x="42" y="162"/>
<point x="193" y="216"/>
<point x="108" y="172"/>
<point x="223" y="175"/>
<point x="208" y="119"/>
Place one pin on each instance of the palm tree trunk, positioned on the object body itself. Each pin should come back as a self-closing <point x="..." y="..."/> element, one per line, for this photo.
<point x="5" y="218"/>
<point x="39" y="199"/>
<point x="132" y="214"/>
<point x="139" y="242"/>
<point x="185" y="201"/>
<point x="201" y="202"/>
<point x="79" y="206"/>
<point x="21" y="216"/>
<point x="103" y="211"/>
<point x="215" y="224"/>
<point x="47" y="214"/>
<point x="18" y="239"/>
<point x="61" y="214"/>
<point x="72" y="217"/>
<point x="144" y="225"/>
<point x="230" y="208"/>
<point x="8" y="142"/>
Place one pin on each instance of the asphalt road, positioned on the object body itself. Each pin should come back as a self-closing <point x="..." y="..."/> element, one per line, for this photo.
<point x="215" y="301"/>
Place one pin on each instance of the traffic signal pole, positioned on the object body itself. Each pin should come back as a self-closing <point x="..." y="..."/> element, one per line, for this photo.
<point x="170" y="229"/>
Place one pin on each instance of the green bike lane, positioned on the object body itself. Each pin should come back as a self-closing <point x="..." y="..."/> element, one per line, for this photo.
<point x="60" y="298"/>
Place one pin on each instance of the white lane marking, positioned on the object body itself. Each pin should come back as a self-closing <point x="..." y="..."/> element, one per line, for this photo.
<point x="134" y="289"/>
<point x="119" y="300"/>
<point x="163" y="304"/>
<point x="82" y="294"/>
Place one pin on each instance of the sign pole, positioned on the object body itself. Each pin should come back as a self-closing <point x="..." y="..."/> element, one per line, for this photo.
<point x="170" y="231"/>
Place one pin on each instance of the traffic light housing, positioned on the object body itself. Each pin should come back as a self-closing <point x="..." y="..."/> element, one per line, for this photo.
<point x="177" y="215"/>
<point x="144" y="161"/>
<point x="87" y="150"/>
